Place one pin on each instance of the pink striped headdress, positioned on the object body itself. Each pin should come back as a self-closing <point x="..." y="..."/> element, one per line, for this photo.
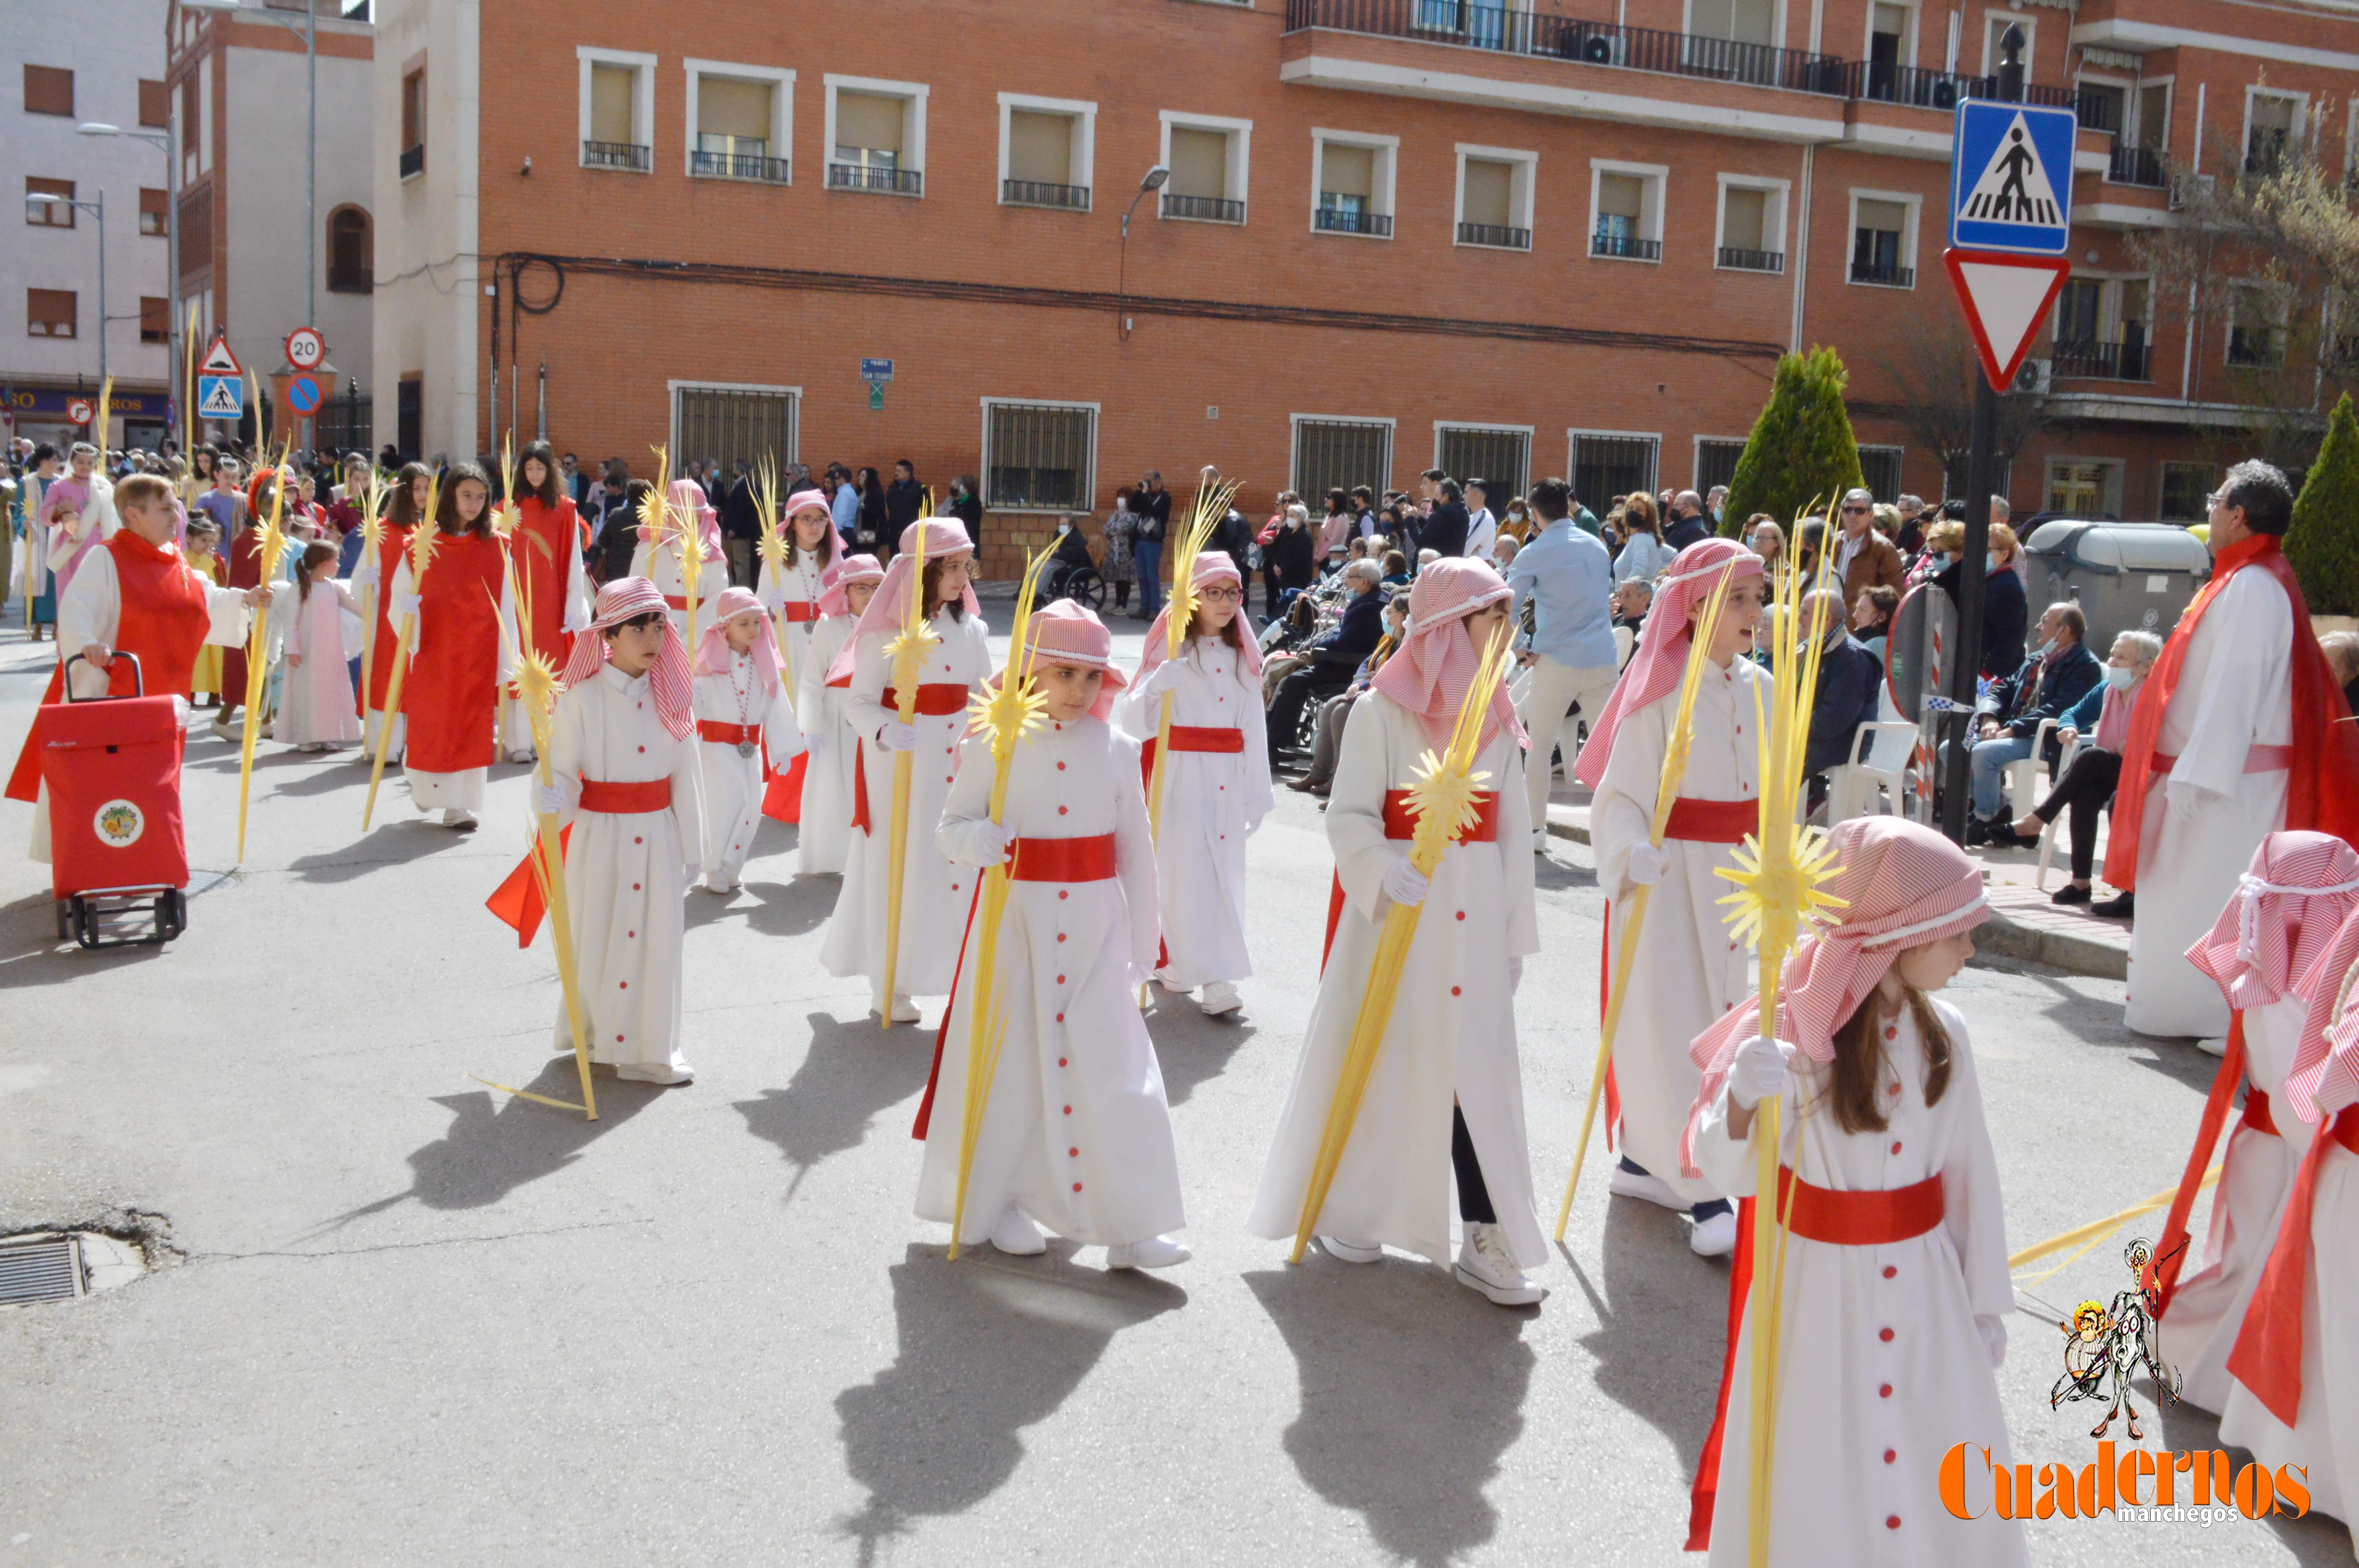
<point x="686" y="498"/>
<point x="1662" y="657"/>
<point x="2325" y="1074"/>
<point x="627" y="598"/>
<point x="1211" y="566"/>
<point x="1434" y="667"/>
<point x="945" y="539"/>
<point x="712" y="651"/>
<point x="833" y="600"/>
<point x="2280" y="918"/>
<point x="1069" y="633"/>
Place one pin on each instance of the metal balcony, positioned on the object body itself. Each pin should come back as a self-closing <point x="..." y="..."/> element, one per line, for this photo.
<point x="1340" y="221"/>
<point x="868" y="177"/>
<point x="635" y="157"/>
<point x="1752" y="260"/>
<point x="738" y="165"/>
<point x="1883" y="276"/>
<point x="2136" y="166"/>
<point x="1045" y="193"/>
<point x="1624" y="247"/>
<point x="1203" y="208"/>
<point x="2128" y="358"/>
<point x="1499" y="237"/>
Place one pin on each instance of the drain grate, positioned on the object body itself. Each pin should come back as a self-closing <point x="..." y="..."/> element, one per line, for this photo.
<point x="46" y="1270"/>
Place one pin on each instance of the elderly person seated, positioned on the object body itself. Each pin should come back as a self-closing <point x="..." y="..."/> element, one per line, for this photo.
<point x="1330" y="658"/>
<point x="1872" y="610"/>
<point x="1630" y="604"/>
<point x="1850" y="683"/>
<point x="2087" y="786"/>
<point x="2059" y="672"/>
<point x="1327" y="731"/>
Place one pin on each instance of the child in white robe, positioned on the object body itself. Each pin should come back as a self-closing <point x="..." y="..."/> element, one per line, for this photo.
<point x="661" y="565"/>
<point x="316" y="629"/>
<point x="1896" y="1292"/>
<point x="623" y="761"/>
<point x="823" y="833"/>
<point x="1215" y="781"/>
<point x="1446" y="1096"/>
<point x="1687" y="971"/>
<point x="742" y="714"/>
<point x="1076" y="1132"/>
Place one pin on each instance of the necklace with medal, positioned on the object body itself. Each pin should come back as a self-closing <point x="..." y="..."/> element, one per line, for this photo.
<point x="738" y="677"/>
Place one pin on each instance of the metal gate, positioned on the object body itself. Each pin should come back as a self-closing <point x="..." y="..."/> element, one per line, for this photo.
<point x="1338" y="454"/>
<point x="1502" y="460"/>
<point x="1606" y="467"/>
<point x="727" y="424"/>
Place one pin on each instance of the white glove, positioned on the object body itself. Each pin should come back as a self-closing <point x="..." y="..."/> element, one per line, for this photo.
<point x="2186" y="800"/>
<point x="1758" y="1071"/>
<point x="1648" y="863"/>
<point x="547" y="800"/>
<point x="896" y="736"/>
<point x="1405" y="885"/>
<point x="1993" y="1332"/>
<point x="406" y="603"/>
<point x="991" y="840"/>
<point x="817" y="745"/>
<point x="1514" y="975"/>
<point x="1166" y="677"/>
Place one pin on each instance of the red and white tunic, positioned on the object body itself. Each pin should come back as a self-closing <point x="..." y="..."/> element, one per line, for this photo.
<point x="736" y="723"/>
<point x="458" y="657"/>
<point x="546" y="548"/>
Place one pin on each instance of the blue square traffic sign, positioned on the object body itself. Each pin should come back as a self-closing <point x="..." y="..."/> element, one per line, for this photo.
<point x="2011" y="178"/>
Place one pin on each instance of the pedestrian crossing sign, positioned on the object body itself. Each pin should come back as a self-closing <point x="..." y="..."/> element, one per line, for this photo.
<point x="220" y="397"/>
<point x="2011" y="178"/>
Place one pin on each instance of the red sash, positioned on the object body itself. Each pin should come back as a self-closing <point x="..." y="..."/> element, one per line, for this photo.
<point x="800" y="611"/>
<point x="728" y="734"/>
<point x="2257" y="760"/>
<point x="1217" y="738"/>
<point x="782" y="798"/>
<point x="1401" y="822"/>
<point x="935" y="699"/>
<point x="2258" y="1117"/>
<point x="626" y="799"/>
<point x="2268" y="1357"/>
<point x="2170" y="1252"/>
<point x="1696" y="821"/>
<point x="1062" y="859"/>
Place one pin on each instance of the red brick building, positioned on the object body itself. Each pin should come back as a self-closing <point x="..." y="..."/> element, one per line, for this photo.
<point x="1567" y="238"/>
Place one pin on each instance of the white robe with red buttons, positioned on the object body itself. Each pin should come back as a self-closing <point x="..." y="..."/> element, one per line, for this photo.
<point x="823" y="837"/>
<point x="1836" y="1499"/>
<point x="626" y="875"/>
<point x="1688" y="969"/>
<point x="798" y="584"/>
<point x="1451" y="1036"/>
<point x="662" y="568"/>
<point x="935" y="893"/>
<point x="733" y="781"/>
<point x="1212" y="801"/>
<point x="1077" y="1130"/>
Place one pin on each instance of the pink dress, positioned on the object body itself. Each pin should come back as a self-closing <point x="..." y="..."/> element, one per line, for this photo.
<point x="322" y="629"/>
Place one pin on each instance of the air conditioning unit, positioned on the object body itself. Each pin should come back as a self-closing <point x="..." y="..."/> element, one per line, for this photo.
<point x="2186" y="189"/>
<point x="2034" y="375"/>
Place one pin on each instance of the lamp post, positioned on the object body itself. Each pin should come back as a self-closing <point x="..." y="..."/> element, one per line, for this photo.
<point x="309" y="28"/>
<point x="1151" y="181"/>
<point x="98" y="209"/>
<point x="168" y="140"/>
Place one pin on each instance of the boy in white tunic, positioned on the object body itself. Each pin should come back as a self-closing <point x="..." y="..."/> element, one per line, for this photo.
<point x="1215" y="783"/>
<point x="1897" y="1293"/>
<point x="1076" y="1134"/>
<point x="1446" y="1096"/>
<point x="661" y="567"/>
<point x="742" y="714"/>
<point x="824" y="834"/>
<point x="1688" y="971"/>
<point x="624" y="765"/>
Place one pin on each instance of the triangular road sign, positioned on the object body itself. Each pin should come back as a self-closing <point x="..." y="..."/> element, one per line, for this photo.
<point x="219" y="361"/>
<point x="2013" y="187"/>
<point x="2005" y="299"/>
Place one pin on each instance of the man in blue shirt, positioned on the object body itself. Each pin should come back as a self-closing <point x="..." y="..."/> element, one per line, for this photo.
<point x="1569" y="576"/>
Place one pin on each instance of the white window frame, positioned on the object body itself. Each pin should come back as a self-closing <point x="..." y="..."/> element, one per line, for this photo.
<point x="1388" y="160"/>
<point x="2295" y="133"/>
<point x="673" y="388"/>
<point x="1236" y="180"/>
<point x="1910" y="200"/>
<point x="1084" y="114"/>
<point x="1088" y="488"/>
<point x="1991" y="35"/>
<point x="2170" y="85"/>
<point x="2115" y="470"/>
<point x="1522" y="187"/>
<point x="1573" y="434"/>
<point x="643" y="101"/>
<point x="913" y="127"/>
<point x="1783" y="189"/>
<point x="781" y="82"/>
<point x="2279" y="298"/>
<point x="1294" y="423"/>
<point x="1654" y="192"/>
<point x="204" y="128"/>
<point x="1908" y="32"/>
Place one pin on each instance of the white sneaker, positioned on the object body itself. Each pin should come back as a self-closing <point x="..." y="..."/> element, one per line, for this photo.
<point x="2213" y="1047"/>
<point x="1163" y="977"/>
<point x="1714" y="1237"/>
<point x="1345" y="1252"/>
<point x="710" y="885"/>
<point x="1220" y="996"/>
<point x="1653" y="1188"/>
<point x="1539" y="840"/>
<point x="522" y="754"/>
<point x="661" y="1073"/>
<point x="464" y="821"/>
<point x="1486" y="1265"/>
<point x="904" y="1010"/>
<point x="1016" y="1235"/>
<point x="1155" y="1252"/>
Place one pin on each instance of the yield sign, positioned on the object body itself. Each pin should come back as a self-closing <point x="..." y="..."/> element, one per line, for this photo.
<point x="219" y="361"/>
<point x="2006" y="298"/>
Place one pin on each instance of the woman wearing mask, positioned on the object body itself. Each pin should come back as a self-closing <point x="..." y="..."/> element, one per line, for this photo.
<point x="2006" y="612"/>
<point x="1943" y="541"/>
<point x="1287" y="562"/>
<point x="868" y="536"/>
<point x="1643" y="554"/>
<point x="2086" y="788"/>
<point x="1121" y="570"/>
<point x="1517" y="524"/>
<point x="1336" y="531"/>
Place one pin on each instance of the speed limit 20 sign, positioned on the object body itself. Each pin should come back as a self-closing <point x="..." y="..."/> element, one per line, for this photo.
<point x="306" y="348"/>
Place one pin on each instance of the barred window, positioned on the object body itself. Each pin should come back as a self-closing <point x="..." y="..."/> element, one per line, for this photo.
<point x="1716" y="462"/>
<point x="2185" y="489"/>
<point x="1502" y="460"/>
<point x="1879" y="469"/>
<point x="1338" y="454"/>
<point x="1038" y="456"/>
<point x="1608" y="465"/>
<point x="725" y="423"/>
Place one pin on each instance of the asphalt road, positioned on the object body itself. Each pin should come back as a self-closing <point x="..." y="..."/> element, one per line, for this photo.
<point x="399" y="1317"/>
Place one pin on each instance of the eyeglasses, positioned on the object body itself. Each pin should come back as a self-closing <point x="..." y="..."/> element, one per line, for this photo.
<point x="1861" y="510"/>
<point x="1221" y="595"/>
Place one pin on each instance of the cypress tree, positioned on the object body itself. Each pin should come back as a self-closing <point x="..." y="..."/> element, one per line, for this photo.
<point x="1801" y="448"/>
<point x="2323" y="543"/>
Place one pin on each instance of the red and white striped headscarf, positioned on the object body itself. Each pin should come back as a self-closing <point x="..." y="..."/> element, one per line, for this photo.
<point x="1434" y="667"/>
<point x="686" y="499"/>
<point x="888" y="608"/>
<point x="1903" y="886"/>
<point x="2325" y="1074"/>
<point x="833" y="598"/>
<point x="714" y="655"/>
<point x="2282" y="916"/>
<point x="1069" y="633"/>
<point x="1211" y="566"/>
<point x="1662" y="657"/>
<point x="627" y="598"/>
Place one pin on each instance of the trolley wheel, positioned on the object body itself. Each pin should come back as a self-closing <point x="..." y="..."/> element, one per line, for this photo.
<point x="171" y="914"/>
<point x="64" y="908"/>
<point x="85" y="923"/>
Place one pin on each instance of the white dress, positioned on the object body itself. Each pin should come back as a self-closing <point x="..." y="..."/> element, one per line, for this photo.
<point x="625" y="875"/>
<point x="1852" y="1459"/>
<point x="800" y="585"/>
<point x="662" y="568"/>
<point x="2234" y="692"/>
<point x="935" y="893"/>
<point x="733" y="779"/>
<point x="366" y="586"/>
<point x="323" y="629"/>
<point x="1076" y="1131"/>
<point x="1212" y="801"/>
<point x="823" y="839"/>
<point x="1689" y="969"/>
<point x="1452" y="1032"/>
<point x="2208" y="1309"/>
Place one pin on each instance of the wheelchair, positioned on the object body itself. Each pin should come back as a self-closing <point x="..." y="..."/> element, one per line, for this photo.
<point x="1082" y="585"/>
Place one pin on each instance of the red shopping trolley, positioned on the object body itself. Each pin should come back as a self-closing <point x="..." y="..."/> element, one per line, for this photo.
<point x="112" y="768"/>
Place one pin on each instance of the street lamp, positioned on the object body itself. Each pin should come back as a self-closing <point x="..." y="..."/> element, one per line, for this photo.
<point x="98" y="208"/>
<point x="167" y="140"/>
<point x="309" y="28"/>
<point x="1151" y="181"/>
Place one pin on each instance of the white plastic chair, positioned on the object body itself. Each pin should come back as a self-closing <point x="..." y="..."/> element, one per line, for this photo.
<point x="1880" y="757"/>
<point x="2048" y="830"/>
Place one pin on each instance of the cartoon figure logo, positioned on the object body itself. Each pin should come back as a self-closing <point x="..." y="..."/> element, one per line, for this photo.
<point x="119" y="823"/>
<point x="2104" y="1345"/>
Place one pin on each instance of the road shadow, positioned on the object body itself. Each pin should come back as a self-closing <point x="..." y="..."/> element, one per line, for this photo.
<point x="2315" y="1540"/>
<point x="1551" y="874"/>
<point x="388" y="844"/>
<point x="852" y="1073"/>
<point x="1412" y="1388"/>
<point x="1662" y="1322"/>
<point x="32" y="954"/>
<point x="791" y="908"/>
<point x="987" y="1347"/>
<point x="1190" y="1047"/>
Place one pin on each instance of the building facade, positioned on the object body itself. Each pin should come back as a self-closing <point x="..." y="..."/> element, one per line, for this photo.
<point x="1570" y="237"/>
<point x="102" y="62"/>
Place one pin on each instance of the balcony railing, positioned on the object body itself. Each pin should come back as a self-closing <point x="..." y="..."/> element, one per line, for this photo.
<point x="1560" y="38"/>
<point x="2136" y="166"/>
<point x="1205" y="208"/>
<point x="869" y="177"/>
<point x="636" y="157"/>
<point x="2130" y="359"/>
<point x="1498" y="235"/>
<point x="1752" y="260"/>
<point x="1909" y="84"/>
<point x="1045" y="193"/>
<point x="413" y="160"/>
<point x="1884" y="277"/>
<point x="1342" y="220"/>
<point x="1624" y="247"/>
<point x="738" y="165"/>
